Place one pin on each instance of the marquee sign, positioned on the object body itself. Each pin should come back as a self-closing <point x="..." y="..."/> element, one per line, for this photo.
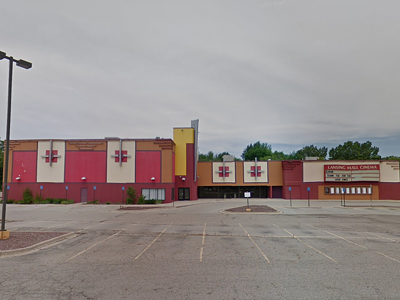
<point x="340" y="173"/>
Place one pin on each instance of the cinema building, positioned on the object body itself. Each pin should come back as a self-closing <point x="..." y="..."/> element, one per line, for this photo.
<point x="168" y="170"/>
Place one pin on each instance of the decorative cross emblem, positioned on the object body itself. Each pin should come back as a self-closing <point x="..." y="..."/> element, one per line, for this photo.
<point x="51" y="155"/>
<point x="120" y="156"/>
<point x="255" y="171"/>
<point x="223" y="171"/>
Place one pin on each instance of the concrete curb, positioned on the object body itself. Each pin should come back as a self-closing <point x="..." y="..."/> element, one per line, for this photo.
<point x="38" y="246"/>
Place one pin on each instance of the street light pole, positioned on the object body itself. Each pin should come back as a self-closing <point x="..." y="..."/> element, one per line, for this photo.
<point x="26" y="65"/>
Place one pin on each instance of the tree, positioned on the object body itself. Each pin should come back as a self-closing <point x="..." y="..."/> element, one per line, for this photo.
<point x="210" y="156"/>
<point x="311" y="151"/>
<point x="260" y="150"/>
<point x="354" y="151"/>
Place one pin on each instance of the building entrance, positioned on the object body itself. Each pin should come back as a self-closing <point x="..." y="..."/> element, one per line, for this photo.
<point x="232" y="191"/>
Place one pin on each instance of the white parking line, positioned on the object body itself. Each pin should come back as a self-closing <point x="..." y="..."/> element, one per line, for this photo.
<point x="152" y="242"/>
<point x="202" y="243"/>
<point x="363" y="247"/>
<point x="95" y="245"/>
<point x="297" y="238"/>
<point x="262" y="253"/>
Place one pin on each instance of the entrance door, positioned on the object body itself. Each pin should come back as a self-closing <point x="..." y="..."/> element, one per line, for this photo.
<point x="83" y="194"/>
<point x="184" y="194"/>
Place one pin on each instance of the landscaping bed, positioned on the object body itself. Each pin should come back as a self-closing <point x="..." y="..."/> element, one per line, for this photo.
<point x="254" y="208"/>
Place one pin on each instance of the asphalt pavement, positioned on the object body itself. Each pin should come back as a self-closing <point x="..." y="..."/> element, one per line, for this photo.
<point x="197" y="251"/>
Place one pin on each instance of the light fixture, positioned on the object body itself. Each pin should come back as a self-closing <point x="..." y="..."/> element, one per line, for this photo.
<point x="83" y="178"/>
<point x="183" y="179"/>
<point x="18" y="178"/>
<point x="153" y="178"/>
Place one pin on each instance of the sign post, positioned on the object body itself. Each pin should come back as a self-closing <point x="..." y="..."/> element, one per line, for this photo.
<point x="247" y="195"/>
<point x="308" y="192"/>
<point x="290" y="192"/>
<point x="94" y="193"/>
<point x="41" y="189"/>
<point x="344" y="196"/>
<point x="123" y="189"/>
<point x="66" y="192"/>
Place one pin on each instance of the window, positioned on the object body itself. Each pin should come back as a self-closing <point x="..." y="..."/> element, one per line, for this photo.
<point x="154" y="194"/>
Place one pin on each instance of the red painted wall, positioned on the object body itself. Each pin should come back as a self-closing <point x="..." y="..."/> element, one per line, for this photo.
<point x="148" y="165"/>
<point x="189" y="182"/>
<point x="105" y="192"/>
<point x="389" y="191"/>
<point x="24" y="165"/>
<point x="89" y="164"/>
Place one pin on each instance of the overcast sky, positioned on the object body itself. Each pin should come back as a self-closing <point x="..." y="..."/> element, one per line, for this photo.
<point x="287" y="72"/>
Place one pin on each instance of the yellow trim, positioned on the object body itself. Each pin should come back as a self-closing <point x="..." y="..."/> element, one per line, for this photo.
<point x="182" y="136"/>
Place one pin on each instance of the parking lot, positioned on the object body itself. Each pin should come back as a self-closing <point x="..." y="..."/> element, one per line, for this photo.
<point x="196" y="251"/>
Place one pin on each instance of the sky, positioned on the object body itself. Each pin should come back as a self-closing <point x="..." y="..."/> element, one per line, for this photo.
<point x="289" y="73"/>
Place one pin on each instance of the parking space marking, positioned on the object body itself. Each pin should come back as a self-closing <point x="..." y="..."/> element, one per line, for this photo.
<point x="384" y="255"/>
<point x="340" y="237"/>
<point x="152" y="242"/>
<point x="297" y="238"/>
<point x="291" y="234"/>
<point x="96" y="244"/>
<point x="259" y="249"/>
<point x="202" y="243"/>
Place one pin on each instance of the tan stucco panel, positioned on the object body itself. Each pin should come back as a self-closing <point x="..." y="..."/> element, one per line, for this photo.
<point x="55" y="172"/>
<point x="232" y="175"/>
<point x="247" y="178"/>
<point x="389" y="171"/>
<point x="125" y="172"/>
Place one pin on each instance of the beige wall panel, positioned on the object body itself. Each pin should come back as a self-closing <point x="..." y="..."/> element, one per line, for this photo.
<point x="263" y="176"/>
<point x="314" y="171"/>
<point x="389" y="171"/>
<point x="232" y="175"/>
<point x="55" y="172"/>
<point x="125" y="172"/>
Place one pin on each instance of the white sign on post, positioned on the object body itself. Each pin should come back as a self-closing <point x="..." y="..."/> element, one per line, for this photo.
<point x="247" y="194"/>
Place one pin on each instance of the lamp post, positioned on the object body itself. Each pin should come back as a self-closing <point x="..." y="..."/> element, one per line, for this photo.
<point x="26" y="65"/>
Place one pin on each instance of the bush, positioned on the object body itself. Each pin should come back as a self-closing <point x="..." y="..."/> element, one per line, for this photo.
<point x="9" y="201"/>
<point x="108" y="203"/>
<point x="93" y="202"/>
<point x="142" y="199"/>
<point x="38" y="199"/>
<point x="27" y="197"/>
<point x="132" y="197"/>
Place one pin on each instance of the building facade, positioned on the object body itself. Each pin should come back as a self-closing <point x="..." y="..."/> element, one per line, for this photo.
<point x="103" y="169"/>
<point x="168" y="170"/>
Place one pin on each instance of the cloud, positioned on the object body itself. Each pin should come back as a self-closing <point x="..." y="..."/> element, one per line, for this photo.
<point x="283" y="72"/>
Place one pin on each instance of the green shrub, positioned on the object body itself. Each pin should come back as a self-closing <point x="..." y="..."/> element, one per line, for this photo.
<point x="159" y="201"/>
<point x="93" y="202"/>
<point x="132" y="197"/>
<point x="108" y="203"/>
<point x="142" y="199"/>
<point x="38" y="199"/>
<point x="27" y="197"/>
<point x="9" y="201"/>
<point x="57" y="200"/>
